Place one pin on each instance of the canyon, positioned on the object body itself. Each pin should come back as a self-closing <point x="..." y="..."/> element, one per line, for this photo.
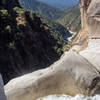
<point x="76" y="72"/>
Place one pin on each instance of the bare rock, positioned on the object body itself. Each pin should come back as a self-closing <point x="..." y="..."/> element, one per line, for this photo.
<point x="72" y="75"/>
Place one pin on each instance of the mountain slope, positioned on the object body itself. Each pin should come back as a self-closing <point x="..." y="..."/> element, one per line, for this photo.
<point x="26" y="42"/>
<point x="57" y="28"/>
<point x="60" y="3"/>
<point x="41" y="8"/>
<point x="71" y="20"/>
<point x="48" y="14"/>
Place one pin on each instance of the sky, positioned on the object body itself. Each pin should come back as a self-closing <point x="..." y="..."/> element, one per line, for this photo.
<point x="60" y="3"/>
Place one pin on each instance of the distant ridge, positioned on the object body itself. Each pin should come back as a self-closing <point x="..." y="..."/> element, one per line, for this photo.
<point x="42" y="8"/>
<point x="60" y="3"/>
<point x="71" y="20"/>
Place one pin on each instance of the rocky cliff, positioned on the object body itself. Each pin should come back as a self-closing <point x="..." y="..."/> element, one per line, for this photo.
<point x="90" y="17"/>
<point x="74" y="73"/>
<point x="88" y="39"/>
<point x="90" y="23"/>
<point x="71" y="75"/>
<point x="92" y="26"/>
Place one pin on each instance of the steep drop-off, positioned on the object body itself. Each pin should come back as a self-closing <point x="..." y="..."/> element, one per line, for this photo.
<point x="26" y="42"/>
<point x="48" y="14"/>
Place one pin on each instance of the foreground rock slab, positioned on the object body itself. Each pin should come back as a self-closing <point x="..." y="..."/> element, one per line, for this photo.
<point x="72" y="75"/>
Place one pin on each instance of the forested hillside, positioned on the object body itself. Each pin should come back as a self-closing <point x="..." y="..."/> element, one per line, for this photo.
<point x="48" y="14"/>
<point x="68" y="18"/>
<point x="42" y="8"/>
<point x="27" y="43"/>
<point x="71" y="20"/>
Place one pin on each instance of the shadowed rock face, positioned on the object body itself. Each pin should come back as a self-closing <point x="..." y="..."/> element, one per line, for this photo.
<point x="2" y="94"/>
<point x="9" y="3"/>
<point x="81" y="40"/>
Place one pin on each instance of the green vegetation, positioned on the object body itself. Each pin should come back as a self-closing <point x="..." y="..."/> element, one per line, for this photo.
<point x="42" y="8"/>
<point x="57" y="29"/>
<point x="56" y="19"/>
<point x="27" y="43"/>
<point x="4" y="12"/>
<point x="71" y="20"/>
<point x="17" y="9"/>
<point x="32" y="14"/>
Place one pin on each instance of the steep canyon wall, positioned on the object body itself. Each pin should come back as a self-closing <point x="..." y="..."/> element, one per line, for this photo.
<point x="90" y="17"/>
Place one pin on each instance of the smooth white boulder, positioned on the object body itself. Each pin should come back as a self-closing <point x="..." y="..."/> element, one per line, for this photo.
<point x="71" y="75"/>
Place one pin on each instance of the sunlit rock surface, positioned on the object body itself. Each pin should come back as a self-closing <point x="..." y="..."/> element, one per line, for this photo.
<point x="92" y="53"/>
<point x="70" y="75"/>
<point x="93" y="19"/>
